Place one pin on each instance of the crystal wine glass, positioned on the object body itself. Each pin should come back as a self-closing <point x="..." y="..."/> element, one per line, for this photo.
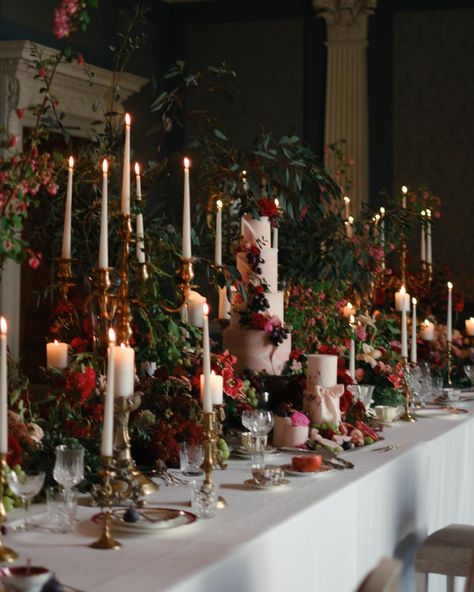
<point x="249" y="422"/>
<point x="25" y="485"/>
<point x="264" y="423"/>
<point x="69" y="467"/>
<point x="468" y="371"/>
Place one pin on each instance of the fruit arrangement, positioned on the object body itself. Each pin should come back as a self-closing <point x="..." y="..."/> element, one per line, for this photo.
<point x="345" y="435"/>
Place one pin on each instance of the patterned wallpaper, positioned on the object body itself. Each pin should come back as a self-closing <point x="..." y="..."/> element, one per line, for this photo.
<point x="433" y="125"/>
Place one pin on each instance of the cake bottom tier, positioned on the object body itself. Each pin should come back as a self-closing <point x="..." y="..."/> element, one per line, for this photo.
<point x="253" y="350"/>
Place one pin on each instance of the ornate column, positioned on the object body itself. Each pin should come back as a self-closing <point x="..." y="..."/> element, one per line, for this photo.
<point x="346" y="85"/>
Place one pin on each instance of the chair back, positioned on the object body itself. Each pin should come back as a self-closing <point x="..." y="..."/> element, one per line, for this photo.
<point x="384" y="578"/>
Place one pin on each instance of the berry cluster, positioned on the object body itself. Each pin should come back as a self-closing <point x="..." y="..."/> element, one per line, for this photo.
<point x="278" y="334"/>
<point x="254" y="260"/>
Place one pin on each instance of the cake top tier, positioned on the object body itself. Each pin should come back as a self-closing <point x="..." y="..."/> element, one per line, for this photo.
<point x="256" y="231"/>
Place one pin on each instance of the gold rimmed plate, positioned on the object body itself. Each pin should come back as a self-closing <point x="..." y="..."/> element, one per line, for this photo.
<point x="292" y="472"/>
<point x="150" y="520"/>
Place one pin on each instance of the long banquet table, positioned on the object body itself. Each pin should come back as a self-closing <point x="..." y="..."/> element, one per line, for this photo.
<point x="319" y="533"/>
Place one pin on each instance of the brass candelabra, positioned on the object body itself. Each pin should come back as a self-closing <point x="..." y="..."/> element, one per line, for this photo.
<point x="220" y="418"/>
<point x="65" y="278"/>
<point x="407" y="416"/>
<point x="186" y="274"/>
<point x="105" y="497"/>
<point x="210" y="434"/>
<point x="131" y="483"/>
<point x="6" y="554"/>
<point x="105" y="298"/>
<point x="449" y="351"/>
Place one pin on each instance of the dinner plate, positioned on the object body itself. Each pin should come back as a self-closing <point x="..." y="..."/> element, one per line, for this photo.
<point x="292" y="472"/>
<point x="151" y="520"/>
<point x="251" y="483"/>
<point x="241" y="451"/>
<point x="440" y="412"/>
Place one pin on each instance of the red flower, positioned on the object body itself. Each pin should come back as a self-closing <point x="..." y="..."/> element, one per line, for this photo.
<point x="79" y="345"/>
<point x="258" y="321"/>
<point x="20" y="112"/>
<point x="77" y="429"/>
<point x="267" y="207"/>
<point x="15" y="453"/>
<point x="80" y="59"/>
<point x="42" y="72"/>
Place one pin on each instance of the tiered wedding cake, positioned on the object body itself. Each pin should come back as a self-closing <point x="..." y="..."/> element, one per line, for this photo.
<point x="256" y="334"/>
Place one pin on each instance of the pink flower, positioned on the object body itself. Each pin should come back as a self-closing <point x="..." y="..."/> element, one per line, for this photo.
<point x="361" y="333"/>
<point x="350" y="162"/>
<point x="34" y="262"/>
<point x="299" y="420"/>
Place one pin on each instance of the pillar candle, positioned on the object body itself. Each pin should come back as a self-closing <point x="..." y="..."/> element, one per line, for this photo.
<point x="402" y="300"/>
<point x="347" y="207"/>
<point x="57" y="354"/>
<point x="104" y="223"/>
<point x="413" y="356"/>
<point x="66" y="247"/>
<point x="124" y="370"/>
<point x="470" y="327"/>
<point x="194" y="308"/>
<point x="423" y="237"/>
<point x="139" y="221"/>
<point x="108" y="426"/>
<point x="427" y="330"/>
<point x="218" y="243"/>
<point x="352" y="350"/>
<point x="125" y="205"/>
<point x="429" y="253"/>
<point x="449" y="324"/>
<point x="186" y="212"/>
<point x="206" y="361"/>
<point x="3" y="387"/>
<point x="217" y="388"/>
<point x="404" y="198"/>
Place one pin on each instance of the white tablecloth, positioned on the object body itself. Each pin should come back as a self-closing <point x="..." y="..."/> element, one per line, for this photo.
<point x="320" y="534"/>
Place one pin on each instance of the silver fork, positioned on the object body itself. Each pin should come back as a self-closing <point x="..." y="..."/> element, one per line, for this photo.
<point x="162" y="472"/>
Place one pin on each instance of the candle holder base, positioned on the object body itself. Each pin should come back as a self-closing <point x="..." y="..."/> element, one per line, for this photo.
<point x="406" y="416"/>
<point x="106" y="540"/>
<point x="210" y="433"/>
<point x="7" y="555"/>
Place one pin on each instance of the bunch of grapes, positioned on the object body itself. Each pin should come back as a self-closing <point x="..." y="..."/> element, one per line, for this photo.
<point x="278" y="334"/>
<point x="250" y="393"/>
<point x="259" y="302"/>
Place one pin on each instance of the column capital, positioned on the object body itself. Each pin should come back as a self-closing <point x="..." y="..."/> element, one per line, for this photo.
<point x="346" y="20"/>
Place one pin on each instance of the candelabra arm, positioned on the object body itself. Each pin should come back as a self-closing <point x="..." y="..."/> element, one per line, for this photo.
<point x="186" y="274"/>
<point x="65" y="278"/>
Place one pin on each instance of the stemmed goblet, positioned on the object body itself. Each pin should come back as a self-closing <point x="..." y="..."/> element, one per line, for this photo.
<point x="69" y="467"/>
<point x="259" y="422"/>
<point x="25" y="484"/>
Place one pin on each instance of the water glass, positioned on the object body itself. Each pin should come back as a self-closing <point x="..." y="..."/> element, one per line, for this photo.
<point x="191" y="457"/>
<point x="61" y="509"/>
<point x="203" y="499"/>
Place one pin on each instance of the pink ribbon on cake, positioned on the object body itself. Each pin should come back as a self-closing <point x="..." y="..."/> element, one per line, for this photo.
<point x="322" y="404"/>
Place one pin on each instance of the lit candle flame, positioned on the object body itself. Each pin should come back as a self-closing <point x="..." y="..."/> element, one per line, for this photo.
<point x="205" y="309"/>
<point x="382" y="211"/>
<point x="404" y="189"/>
<point x="349" y="306"/>
<point x="128" y="120"/>
<point x="123" y="346"/>
<point x="112" y="336"/>
<point x="347" y="199"/>
<point x="56" y="342"/>
<point x="403" y="290"/>
<point x="71" y="162"/>
<point x="426" y="323"/>
<point x="423" y="213"/>
<point x="105" y="166"/>
<point x="350" y="219"/>
<point x="213" y="373"/>
<point x="428" y="213"/>
<point x="414" y="301"/>
<point x="277" y="203"/>
<point x="3" y="326"/>
<point x="450" y="286"/>
<point x="137" y="169"/>
<point x="377" y="217"/>
<point x="219" y="204"/>
<point x="352" y="319"/>
<point x="187" y="162"/>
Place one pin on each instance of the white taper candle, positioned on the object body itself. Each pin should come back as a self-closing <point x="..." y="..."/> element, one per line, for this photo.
<point x="108" y="426"/>
<point x="66" y="246"/>
<point x="104" y="222"/>
<point x="125" y="204"/>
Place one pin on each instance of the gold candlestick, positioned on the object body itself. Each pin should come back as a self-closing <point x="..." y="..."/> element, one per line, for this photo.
<point x="210" y="455"/>
<point x="186" y="274"/>
<point x="403" y="261"/>
<point x="133" y="484"/>
<point x="65" y="278"/>
<point x="6" y="554"/>
<point x="450" y="362"/>
<point x="105" y="495"/>
<point x="124" y="312"/>
<point x="407" y="416"/>
<point x="102" y="293"/>
<point x="220" y="418"/>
